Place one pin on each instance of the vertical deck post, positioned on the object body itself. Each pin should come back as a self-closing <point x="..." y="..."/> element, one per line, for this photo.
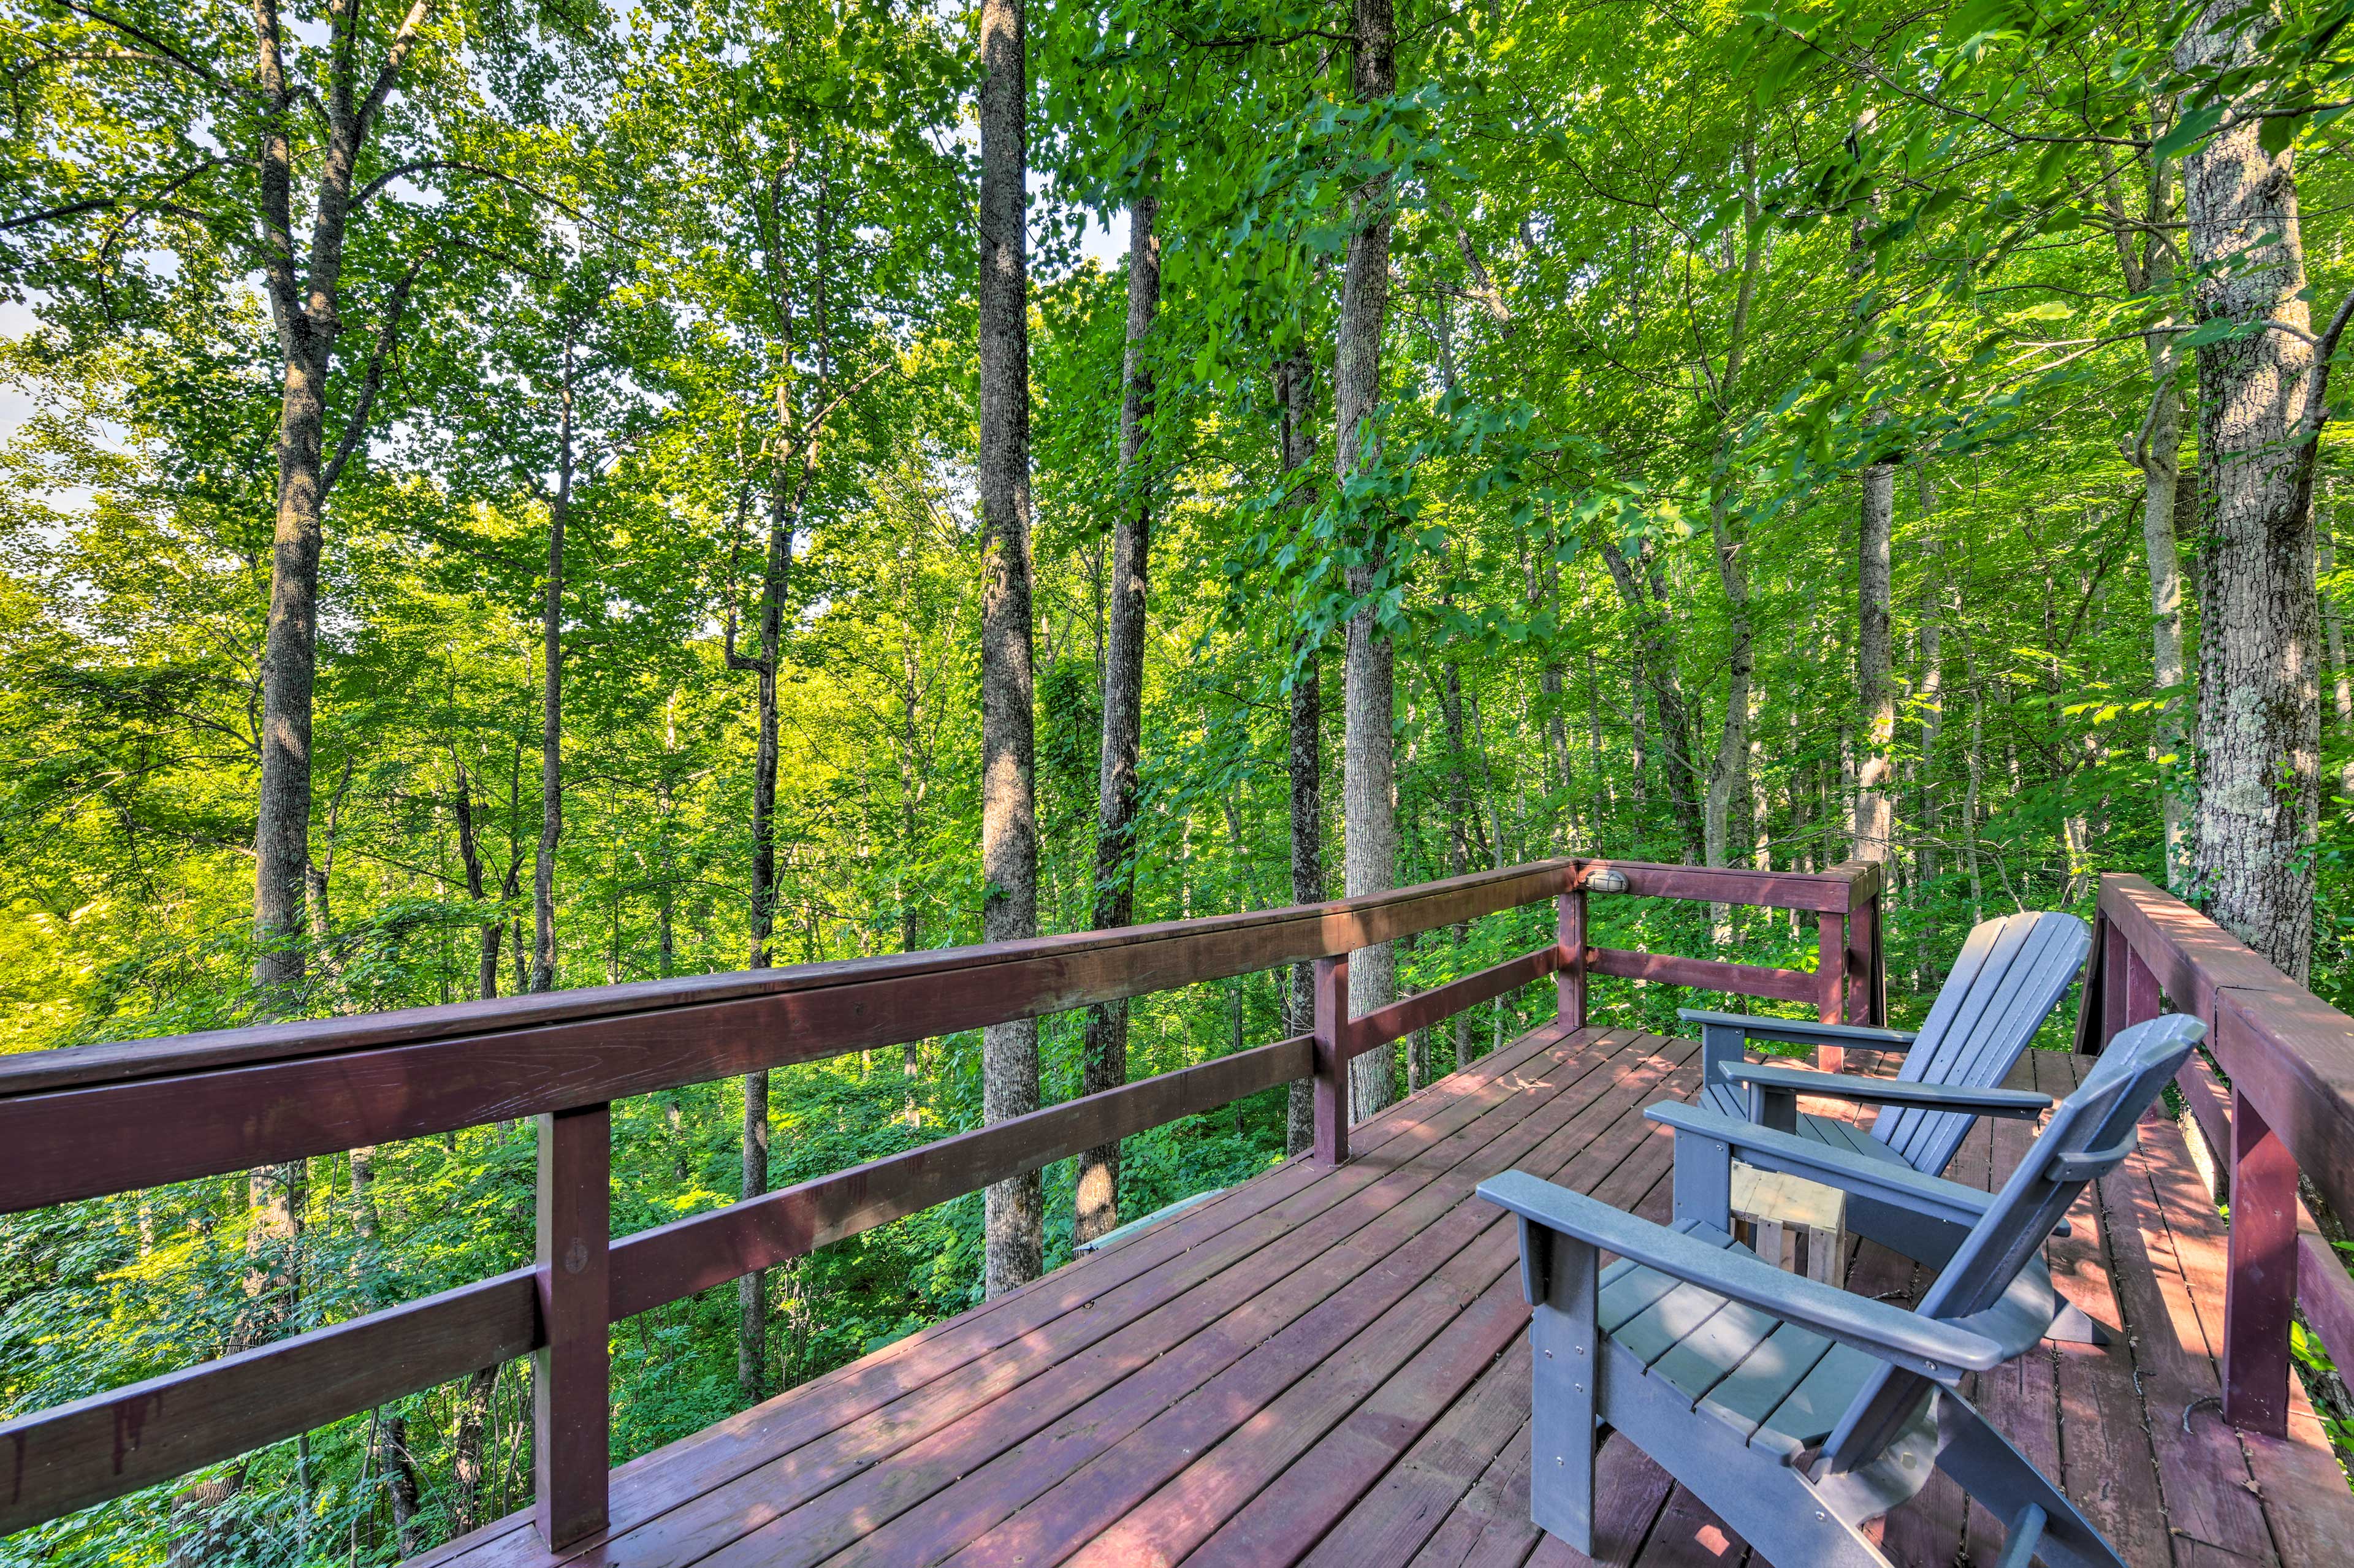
<point x="2259" y="1281"/>
<point x="2140" y="1007"/>
<point x="1865" y="1001"/>
<point x="2116" y="958"/>
<point x="1331" y="994"/>
<point x="1831" y="977"/>
<point x="1569" y="980"/>
<point x="571" y="1411"/>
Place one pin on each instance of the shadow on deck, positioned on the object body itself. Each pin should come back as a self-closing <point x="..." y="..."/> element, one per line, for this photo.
<point x="1326" y="1365"/>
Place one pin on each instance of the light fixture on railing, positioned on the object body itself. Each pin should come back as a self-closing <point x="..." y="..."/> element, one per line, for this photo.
<point x="1602" y="879"/>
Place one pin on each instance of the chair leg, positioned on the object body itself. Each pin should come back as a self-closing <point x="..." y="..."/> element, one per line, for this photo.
<point x="2000" y="1478"/>
<point x="1704" y="1181"/>
<point x="1564" y="1342"/>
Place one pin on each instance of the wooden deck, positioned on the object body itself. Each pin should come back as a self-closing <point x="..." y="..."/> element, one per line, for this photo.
<point x="1326" y="1366"/>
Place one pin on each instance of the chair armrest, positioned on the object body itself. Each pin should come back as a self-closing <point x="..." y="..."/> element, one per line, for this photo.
<point x="1930" y="1346"/>
<point x="1885" y="1180"/>
<point x="1888" y="1091"/>
<point x="1798" y="1031"/>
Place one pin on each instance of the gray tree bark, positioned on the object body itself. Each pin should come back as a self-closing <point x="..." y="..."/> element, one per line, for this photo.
<point x="1875" y="811"/>
<point x="2259" y="696"/>
<point x="1728" y="774"/>
<point x="1104" y="1053"/>
<point x="551" y="731"/>
<point x="2157" y="451"/>
<point x="305" y="312"/>
<point x="1295" y="392"/>
<point x="1015" y="1218"/>
<point x="1369" y="808"/>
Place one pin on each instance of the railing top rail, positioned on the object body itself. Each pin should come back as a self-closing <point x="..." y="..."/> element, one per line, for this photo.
<point x="113" y="1118"/>
<point x="1345" y="924"/>
<point x="2283" y="1047"/>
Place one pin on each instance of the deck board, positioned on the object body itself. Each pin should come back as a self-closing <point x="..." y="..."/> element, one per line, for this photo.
<point x="1326" y="1367"/>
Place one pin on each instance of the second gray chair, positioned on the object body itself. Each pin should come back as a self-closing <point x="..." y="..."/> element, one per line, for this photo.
<point x="2009" y="975"/>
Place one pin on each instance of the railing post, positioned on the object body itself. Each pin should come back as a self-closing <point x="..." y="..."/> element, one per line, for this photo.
<point x="1569" y="980"/>
<point x="2140" y="1007"/>
<point x="1865" y="1001"/>
<point x="2260" y="1282"/>
<point x="1332" y="993"/>
<point x="571" y="1408"/>
<point x="2116" y="958"/>
<point x="1830" y="975"/>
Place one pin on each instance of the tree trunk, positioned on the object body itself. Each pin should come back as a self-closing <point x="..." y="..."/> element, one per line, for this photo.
<point x="1655" y="667"/>
<point x="911" y="794"/>
<point x="551" y="731"/>
<point x="2161" y="478"/>
<point x="1369" y="808"/>
<point x="304" y="312"/>
<point x="1728" y="780"/>
<point x="1875" y="809"/>
<point x="1104" y="1053"/>
<point x="469" y="1505"/>
<point x="1015" y="1239"/>
<point x="752" y="1290"/>
<point x="1932" y="681"/>
<point x="2259" y="697"/>
<point x="470" y="852"/>
<point x="1295" y="389"/>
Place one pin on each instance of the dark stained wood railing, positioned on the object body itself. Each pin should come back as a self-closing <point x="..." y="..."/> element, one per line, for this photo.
<point x="2288" y="1110"/>
<point x="94" y="1120"/>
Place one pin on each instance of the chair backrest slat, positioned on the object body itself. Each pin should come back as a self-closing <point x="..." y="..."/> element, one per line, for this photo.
<point x="2011" y="973"/>
<point x="2096" y="1121"/>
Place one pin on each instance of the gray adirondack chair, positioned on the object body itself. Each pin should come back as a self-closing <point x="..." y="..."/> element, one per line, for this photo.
<point x="2009" y="975"/>
<point x="1796" y="1410"/>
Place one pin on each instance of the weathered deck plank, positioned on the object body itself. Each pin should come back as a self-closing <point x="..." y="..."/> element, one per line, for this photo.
<point x="1325" y="1366"/>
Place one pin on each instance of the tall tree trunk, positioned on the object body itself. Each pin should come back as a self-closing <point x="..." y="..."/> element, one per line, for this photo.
<point x="1104" y="1052"/>
<point x="551" y="731"/>
<point x="752" y="1290"/>
<point x="911" y="798"/>
<point x="470" y="852"/>
<point x="469" y="1506"/>
<point x="2161" y="468"/>
<point x="1014" y="1222"/>
<point x="304" y="311"/>
<point x="1295" y="389"/>
<point x="1933" y="678"/>
<point x="1645" y="593"/>
<point x="1368" y="805"/>
<point x="2259" y="697"/>
<point x="1875" y="809"/>
<point x="1728" y="780"/>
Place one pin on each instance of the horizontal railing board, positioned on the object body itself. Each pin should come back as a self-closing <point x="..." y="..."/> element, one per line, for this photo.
<point x="1424" y="1008"/>
<point x="103" y="1446"/>
<point x="2325" y="1295"/>
<point x="1328" y="929"/>
<point x="1845" y="887"/>
<point x="83" y="1142"/>
<point x="1341" y="926"/>
<point x="678" y="1259"/>
<point x="109" y="1443"/>
<point x="2282" y="1046"/>
<point x="1709" y="974"/>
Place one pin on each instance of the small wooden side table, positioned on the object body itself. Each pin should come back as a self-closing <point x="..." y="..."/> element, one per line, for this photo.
<point x="1793" y="1224"/>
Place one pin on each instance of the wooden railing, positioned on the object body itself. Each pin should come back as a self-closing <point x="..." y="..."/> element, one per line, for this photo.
<point x="2288" y="1108"/>
<point x="94" y="1120"/>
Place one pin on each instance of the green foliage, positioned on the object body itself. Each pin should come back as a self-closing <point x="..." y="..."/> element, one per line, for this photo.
<point x="1665" y="282"/>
